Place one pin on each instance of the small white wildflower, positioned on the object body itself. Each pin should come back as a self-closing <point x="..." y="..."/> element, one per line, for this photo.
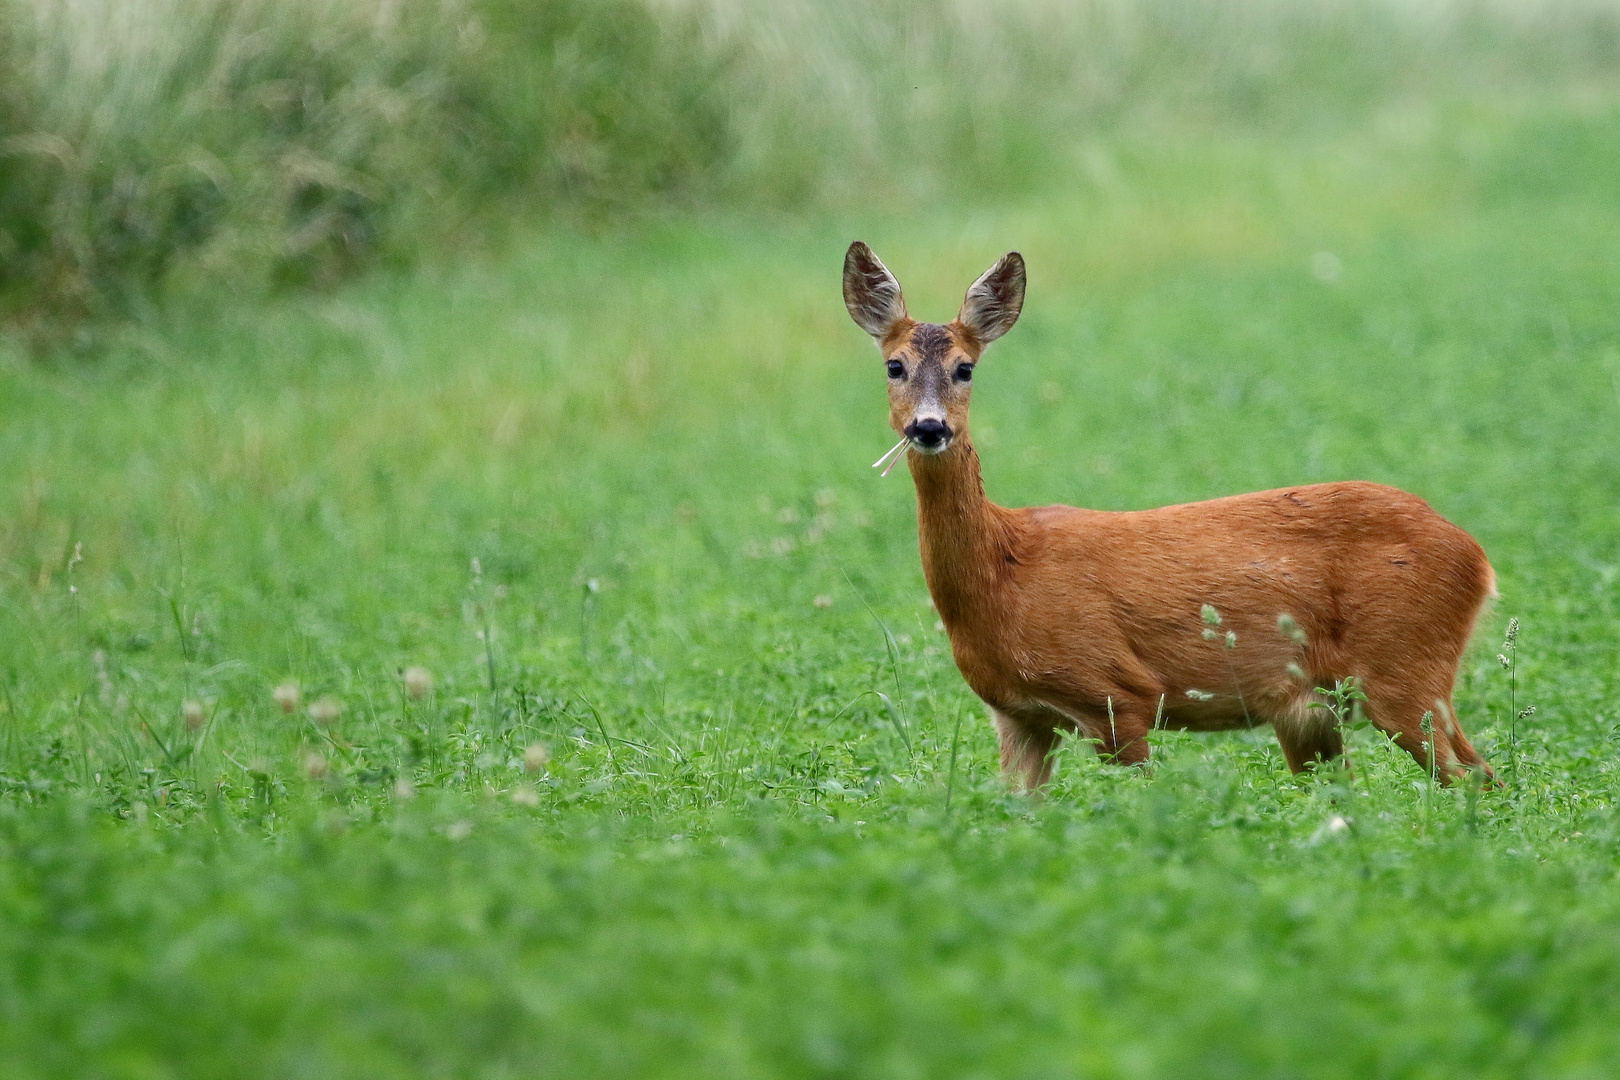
<point x="535" y="757"/>
<point x="1326" y="267"/>
<point x="525" y="796"/>
<point x="193" y="713"/>
<point x="418" y="682"/>
<point x="325" y="711"/>
<point x="1335" y="826"/>
<point x="286" y="696"/>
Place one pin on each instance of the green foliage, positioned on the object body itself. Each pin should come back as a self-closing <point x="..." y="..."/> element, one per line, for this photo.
<point x="153" y="144"/>
<point x="287" y="142"/>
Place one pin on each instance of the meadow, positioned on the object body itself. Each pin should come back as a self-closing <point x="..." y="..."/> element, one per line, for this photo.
<point x="507" y="664"/>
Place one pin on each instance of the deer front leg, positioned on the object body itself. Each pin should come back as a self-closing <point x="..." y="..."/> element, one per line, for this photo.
<point x="1119" y="730"/>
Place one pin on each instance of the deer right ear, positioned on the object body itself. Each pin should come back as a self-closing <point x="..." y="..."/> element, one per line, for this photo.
<point x="871" y="293"/>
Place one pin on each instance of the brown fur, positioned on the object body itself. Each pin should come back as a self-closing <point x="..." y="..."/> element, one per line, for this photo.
<point x="1059" y="617"/>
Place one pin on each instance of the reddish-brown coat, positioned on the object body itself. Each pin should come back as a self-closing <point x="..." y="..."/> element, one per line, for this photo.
<point x="1087" y="621"/>
<point x="1090" y="621"/>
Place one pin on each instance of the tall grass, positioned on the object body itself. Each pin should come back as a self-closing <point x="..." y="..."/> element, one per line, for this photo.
<point x="146" y="143"/>
<point x="290" y="140"/>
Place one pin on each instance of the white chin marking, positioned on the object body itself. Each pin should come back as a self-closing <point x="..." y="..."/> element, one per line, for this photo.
<point x="937" y="449"/>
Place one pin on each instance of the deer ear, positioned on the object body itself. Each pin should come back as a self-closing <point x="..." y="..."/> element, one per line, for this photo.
<point x="993" y="302"/>
<point x="871" y="293"/>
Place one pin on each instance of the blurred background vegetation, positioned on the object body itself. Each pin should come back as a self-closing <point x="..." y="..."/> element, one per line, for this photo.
<point x="147" y="146"/>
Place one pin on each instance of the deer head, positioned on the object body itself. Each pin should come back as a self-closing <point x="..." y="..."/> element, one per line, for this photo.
<point x="930" y="365"/>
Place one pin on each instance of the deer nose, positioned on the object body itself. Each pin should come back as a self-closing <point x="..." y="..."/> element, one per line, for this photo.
<point x="929" y="434"/>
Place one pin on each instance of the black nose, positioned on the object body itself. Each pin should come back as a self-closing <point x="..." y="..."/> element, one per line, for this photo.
<point x="928" y="433"/>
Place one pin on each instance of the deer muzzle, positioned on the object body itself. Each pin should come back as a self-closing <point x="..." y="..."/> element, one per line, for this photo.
<point x="930" y="435"/>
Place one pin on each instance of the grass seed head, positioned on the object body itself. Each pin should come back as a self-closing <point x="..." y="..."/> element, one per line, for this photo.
<point x="1289" y="628"/>
<point x="325" y="711"/>
<point x="286" y="696"/>
<point x="315" y="766"/>
<point x="103" y="679"/>
<point x="525" y="796"/>
<point x="404" y="788"/>
<point x="535" y="756"/>
<point x="418" y="682"/>
<point x="193" y="713"/>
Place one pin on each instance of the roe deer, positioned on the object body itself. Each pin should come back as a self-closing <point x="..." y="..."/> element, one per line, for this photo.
<point x="1094" y="622"/>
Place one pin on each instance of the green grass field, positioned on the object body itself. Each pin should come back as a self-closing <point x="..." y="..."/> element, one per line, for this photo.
<point x="611" y="490"/>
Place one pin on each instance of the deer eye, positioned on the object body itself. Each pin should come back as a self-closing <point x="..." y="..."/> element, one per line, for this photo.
<point x="964" y="372"/>
<point x="897" y="370"/>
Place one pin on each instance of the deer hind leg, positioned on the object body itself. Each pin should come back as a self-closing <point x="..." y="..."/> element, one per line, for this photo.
<point x="1462" y="750"/>
<point x="1396" y="706"/>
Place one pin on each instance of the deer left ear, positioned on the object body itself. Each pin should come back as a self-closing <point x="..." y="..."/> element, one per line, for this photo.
<point x="993" y="302"/>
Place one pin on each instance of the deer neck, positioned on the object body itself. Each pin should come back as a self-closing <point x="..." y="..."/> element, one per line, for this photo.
<point x="966" y="539"/>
